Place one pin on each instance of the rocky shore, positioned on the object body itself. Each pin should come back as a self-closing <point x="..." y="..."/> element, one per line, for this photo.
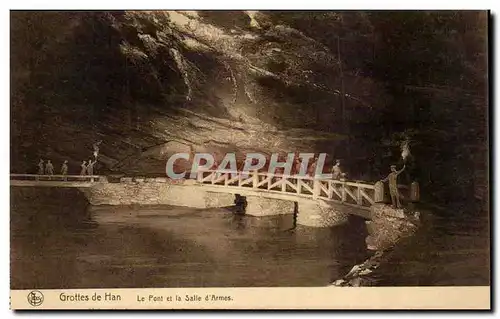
<point x="386" y="229"/>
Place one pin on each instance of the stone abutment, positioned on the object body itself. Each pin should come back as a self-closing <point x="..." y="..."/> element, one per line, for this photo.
<point x="155" y="191"/>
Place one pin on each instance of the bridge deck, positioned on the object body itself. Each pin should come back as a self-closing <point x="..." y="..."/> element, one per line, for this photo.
<point x="30" y="180"/>
<point x="51" y="184"/>
<point x="355" y="196"/>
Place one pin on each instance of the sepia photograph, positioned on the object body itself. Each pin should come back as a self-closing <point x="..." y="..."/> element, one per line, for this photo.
<point x="247" y="149"/>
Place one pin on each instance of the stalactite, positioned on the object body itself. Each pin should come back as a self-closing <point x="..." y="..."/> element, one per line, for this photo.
<point x="181" y="65"/>
<point x="233" y="79"/>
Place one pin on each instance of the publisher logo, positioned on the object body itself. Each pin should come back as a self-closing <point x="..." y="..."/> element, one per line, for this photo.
<point x="35" y="298"/>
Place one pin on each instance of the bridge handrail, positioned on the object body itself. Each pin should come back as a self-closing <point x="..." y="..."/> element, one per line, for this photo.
<point x="317" y="187"/>
<point x="302" y="177"/>
<point x="67" y="178"/>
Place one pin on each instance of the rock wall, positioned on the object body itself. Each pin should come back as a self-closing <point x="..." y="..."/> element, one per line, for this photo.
<point x="261" y="206"/>
<point x="155" y="191"/>
<point x="315" y="214"/>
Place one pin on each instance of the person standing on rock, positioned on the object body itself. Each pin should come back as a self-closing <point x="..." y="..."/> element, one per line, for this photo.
<point x="393" y="185"/>
<point x="84" y="168"/>
<point x="49" y="168"/>
<point x="41" y="167"/>
<point x="64" y="169"/>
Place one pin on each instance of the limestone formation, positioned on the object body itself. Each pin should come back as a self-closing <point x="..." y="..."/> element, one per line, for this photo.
<point x="361" y="275"/>
<point x="388" y="226"/>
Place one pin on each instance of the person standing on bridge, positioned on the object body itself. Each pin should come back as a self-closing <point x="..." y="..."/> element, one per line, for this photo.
<point x="49" y="168"/>
<point x="84" y="168"/>
<point x="41" y="167"/>
<point x="312" y="167"/>
<point x="296" y="164"/>
<point x="90" y="168"/>
<point x="64" y="169"/>
<point x="336" y="170"/>
<point x="393" y="185"/>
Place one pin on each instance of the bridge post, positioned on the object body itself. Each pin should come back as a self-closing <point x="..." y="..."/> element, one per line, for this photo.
<point x="379" y="192"/>
<point x="359" y="199"/>
<point x="344" y="194"/>
<point x="414" y="192"/>
<point x="316" y="188"/>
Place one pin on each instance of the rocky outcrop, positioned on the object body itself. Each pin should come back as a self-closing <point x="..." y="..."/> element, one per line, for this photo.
<point x="388" y="225"/>
<point x="386" y="229"/>
<point x="361" y="275"/>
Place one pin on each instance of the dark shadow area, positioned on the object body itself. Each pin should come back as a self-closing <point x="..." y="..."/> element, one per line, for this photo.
<point x="165" y="246"/>
<point x="240" y="203"/>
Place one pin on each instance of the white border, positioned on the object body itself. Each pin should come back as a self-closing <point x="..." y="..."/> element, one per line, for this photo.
<point x="200" y="4"/>
<point x="257" y="4"/>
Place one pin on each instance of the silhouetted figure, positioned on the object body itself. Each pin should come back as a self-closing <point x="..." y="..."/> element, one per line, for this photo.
<point x="64" y="169"/>
<point x="49" y="168"/>
<point x="312" y="167"/>
<point x="90" y="167"/>
<point x="41" y="167"/>
<point x="296" y="165"/>
<point x="393" y="185"/>
<point x="84" y="168"/>
<point x="336" y="170"/>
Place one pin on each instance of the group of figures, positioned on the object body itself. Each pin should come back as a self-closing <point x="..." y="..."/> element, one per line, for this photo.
<point x="48" y="168"/>
<point x="87" y="168"/>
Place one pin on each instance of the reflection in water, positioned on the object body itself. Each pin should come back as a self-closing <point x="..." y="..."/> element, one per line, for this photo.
<point x="57" y="241"/>
<point x="79" y="247"/>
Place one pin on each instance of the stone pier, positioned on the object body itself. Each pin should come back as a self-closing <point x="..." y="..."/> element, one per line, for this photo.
<point x="261" y="206"/>
<point x="143" y="191"/>
<point x="314" y="213"/>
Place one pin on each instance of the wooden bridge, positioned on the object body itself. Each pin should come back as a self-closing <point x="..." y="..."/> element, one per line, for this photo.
<point x="356" y="194"/>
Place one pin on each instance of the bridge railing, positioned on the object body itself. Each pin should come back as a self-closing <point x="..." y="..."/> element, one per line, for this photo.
<point x="348" y="192"/>
<point x="55" y="178"/>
